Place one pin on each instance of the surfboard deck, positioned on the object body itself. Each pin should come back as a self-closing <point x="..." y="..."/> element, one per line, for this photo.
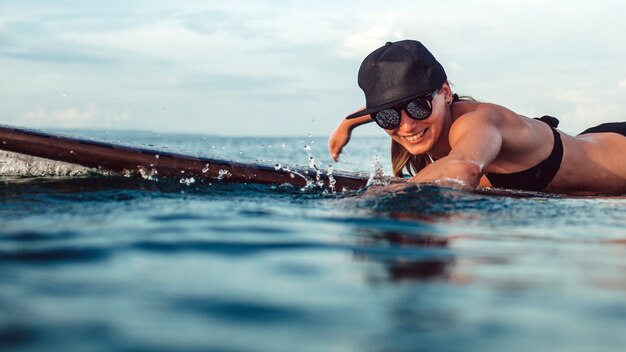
<point x="145" y="162"/>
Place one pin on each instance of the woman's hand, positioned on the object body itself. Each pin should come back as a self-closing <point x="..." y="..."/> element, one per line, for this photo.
<point x="341" y="135"/>
<point x="338" y="139"/>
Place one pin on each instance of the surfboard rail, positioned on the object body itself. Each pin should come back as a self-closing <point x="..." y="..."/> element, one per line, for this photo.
<point x="139" y="161"/>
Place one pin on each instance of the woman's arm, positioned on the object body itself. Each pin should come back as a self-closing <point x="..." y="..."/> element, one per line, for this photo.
<point x="475" y="142"/>
<point x="341" y="136"/>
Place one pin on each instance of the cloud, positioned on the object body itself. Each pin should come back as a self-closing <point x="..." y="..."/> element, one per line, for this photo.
<point x="360" y="44"/>
<point x="55" y="55"/>
<point x="573" y="96"/>
<point x="90" y="116"/>
<point x="583" y="116"/>
<point x="236" y="82"/>
<point x="32" y="40"/>
<point x="164" y="38"/>
<point x="195" y="57"/>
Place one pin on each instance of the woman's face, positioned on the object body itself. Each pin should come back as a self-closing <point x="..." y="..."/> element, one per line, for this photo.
<point x="422" y="136"/>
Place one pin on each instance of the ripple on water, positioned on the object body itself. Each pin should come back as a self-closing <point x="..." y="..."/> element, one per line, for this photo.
<point x="55" y="255"/>
<point x="18" y="335"/>
<point x="224" y="247"/>
<point x="240" y="310"/>
<point x="35" y="236"/>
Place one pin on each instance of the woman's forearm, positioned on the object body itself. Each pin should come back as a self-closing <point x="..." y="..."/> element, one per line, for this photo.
<point x="341" y="135"/>
<point x="355" y="122"/>
<point x="451" y="172"/>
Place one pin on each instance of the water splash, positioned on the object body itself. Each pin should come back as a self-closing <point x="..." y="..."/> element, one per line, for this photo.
<point x="223" y="173"/>
<point x="331" y="178"/>
<point x="453" y="183"/>
<point x="148" y="174"/>
<point x="14" y="164"/>
<point x="318" y="172"/>
<point x="292" y="173"/>
<point x="377" y="176"/>
<point x="317" y="182"/>
<point x="206" y="168"/>
<point x="187" y="180"/>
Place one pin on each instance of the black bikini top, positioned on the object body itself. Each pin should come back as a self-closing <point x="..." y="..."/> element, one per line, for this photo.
<point x="539" y="176"/>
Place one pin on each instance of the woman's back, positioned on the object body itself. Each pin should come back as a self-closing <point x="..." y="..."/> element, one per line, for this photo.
<point x="589" y="164"/>
<point x="592" y="163"/>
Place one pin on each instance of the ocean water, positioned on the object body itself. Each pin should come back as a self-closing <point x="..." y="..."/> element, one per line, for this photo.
<point x="98" y="262"/>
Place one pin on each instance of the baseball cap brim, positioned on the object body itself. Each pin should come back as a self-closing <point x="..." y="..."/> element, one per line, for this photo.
<point x="390" y="104"/>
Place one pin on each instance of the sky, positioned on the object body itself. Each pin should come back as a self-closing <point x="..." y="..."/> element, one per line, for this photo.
<point x="289" y="68"/>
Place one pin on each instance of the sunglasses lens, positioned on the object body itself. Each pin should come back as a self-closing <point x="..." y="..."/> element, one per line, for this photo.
<point x="419" y="109"/>
<point x="387" y="119"/>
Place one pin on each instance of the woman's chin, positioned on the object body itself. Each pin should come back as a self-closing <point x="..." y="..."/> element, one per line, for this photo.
<point x="417" y="149"/>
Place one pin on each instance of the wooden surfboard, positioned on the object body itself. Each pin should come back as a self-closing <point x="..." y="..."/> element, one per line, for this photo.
<point x="141" y="162"/>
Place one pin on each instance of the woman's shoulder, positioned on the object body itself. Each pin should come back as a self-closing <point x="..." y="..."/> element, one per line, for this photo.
<point x="482" y="113"/>
<point x="475" y="116"/>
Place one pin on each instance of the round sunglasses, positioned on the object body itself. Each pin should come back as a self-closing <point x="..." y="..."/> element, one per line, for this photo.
<point x="419" y="108"/>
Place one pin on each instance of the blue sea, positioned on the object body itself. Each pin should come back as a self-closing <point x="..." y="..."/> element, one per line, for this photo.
<point x="93" y="261"/>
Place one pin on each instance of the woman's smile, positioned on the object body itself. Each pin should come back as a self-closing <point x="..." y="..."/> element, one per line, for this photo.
<point x="415" y="138"/>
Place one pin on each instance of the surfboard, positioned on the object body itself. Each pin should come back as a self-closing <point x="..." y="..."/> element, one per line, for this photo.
<point x="145" y="162"/>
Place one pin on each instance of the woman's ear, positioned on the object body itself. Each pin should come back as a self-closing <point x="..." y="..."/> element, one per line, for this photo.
<point x="447" y="92"/>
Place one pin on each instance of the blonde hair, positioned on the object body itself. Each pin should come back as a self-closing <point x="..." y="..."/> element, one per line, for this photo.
<point x="402" y="159"/>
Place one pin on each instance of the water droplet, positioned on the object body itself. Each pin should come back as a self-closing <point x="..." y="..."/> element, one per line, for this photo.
<point x="205" y="169"/>
<point x="222" y="174"/>
<point x="331" y="178"/>
<point x="156" y="156"/>
<point x="376" y="173"/>
<point x="151" y="175"/>
<point x="187" y="181"/>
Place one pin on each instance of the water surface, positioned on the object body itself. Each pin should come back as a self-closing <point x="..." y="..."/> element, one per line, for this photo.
<point x="102" y="262"/>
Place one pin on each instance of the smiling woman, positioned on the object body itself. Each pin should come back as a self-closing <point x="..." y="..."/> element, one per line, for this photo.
<point x="468" y="144"/>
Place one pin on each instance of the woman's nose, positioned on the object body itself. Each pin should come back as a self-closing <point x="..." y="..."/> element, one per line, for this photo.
<point x="406" y="123"/>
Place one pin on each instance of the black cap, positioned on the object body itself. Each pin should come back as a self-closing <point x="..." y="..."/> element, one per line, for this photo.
<point x="396" y="73"/>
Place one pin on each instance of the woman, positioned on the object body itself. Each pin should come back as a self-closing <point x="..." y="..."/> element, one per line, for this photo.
<point x="465" y="144"/>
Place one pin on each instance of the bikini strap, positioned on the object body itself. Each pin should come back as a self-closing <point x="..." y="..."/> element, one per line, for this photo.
<point x="550" y="120"/>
